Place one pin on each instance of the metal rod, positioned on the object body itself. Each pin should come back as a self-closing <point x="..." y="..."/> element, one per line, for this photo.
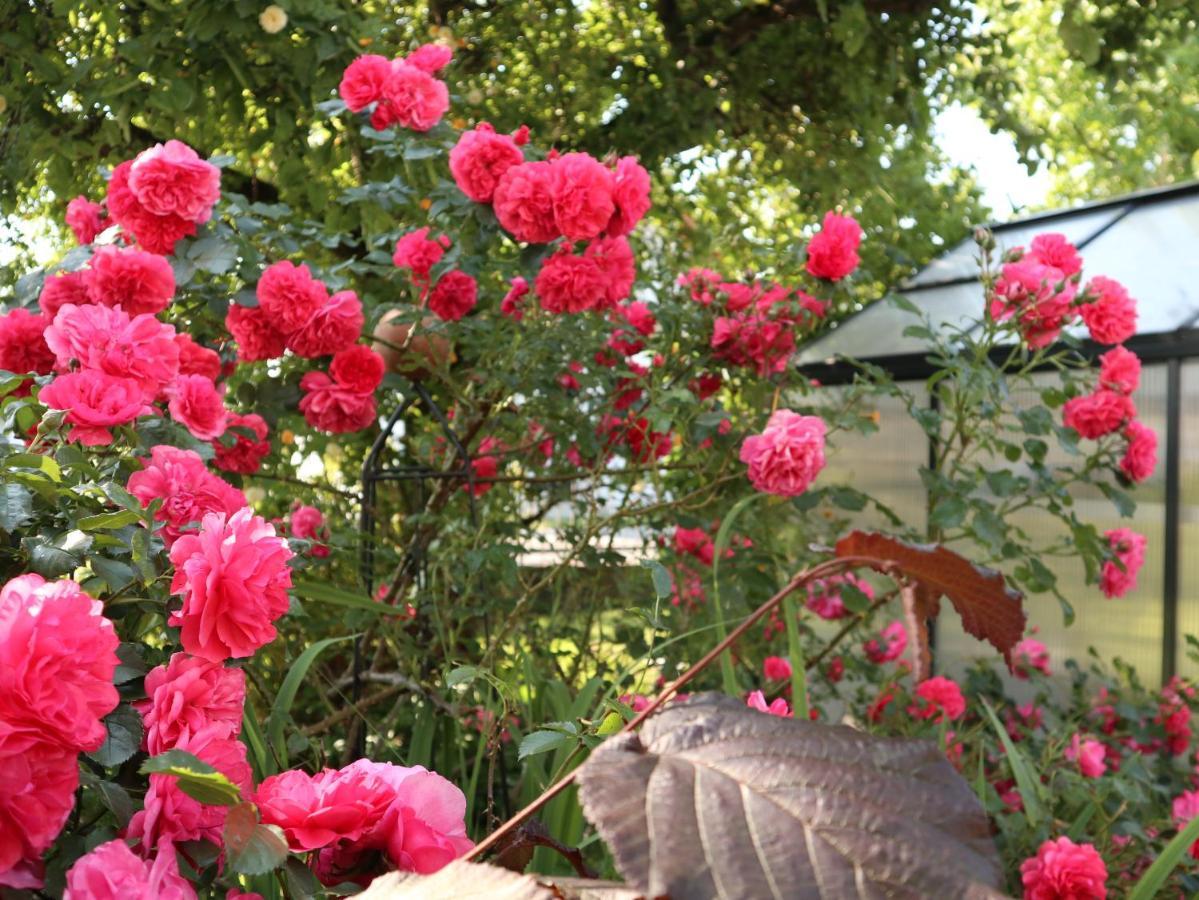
<point x="1173" y="512"/>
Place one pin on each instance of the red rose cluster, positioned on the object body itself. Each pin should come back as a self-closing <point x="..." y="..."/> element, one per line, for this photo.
<point x="404" y="90"/>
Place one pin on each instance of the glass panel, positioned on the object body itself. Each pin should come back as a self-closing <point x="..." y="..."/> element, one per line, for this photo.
<point x="961" y="261"/>
<point x="1188" y="558"/>
<point x="1129" y="627"/>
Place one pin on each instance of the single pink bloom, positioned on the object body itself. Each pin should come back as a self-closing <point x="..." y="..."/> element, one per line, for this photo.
<point x="196" y="404"/>
<point x="1064" y="870"/>
<point x="171" y="179"/>
<point x="1119" y="576"/>
<point x="1112" y="316"/>
<point x="334" y="326"/>
<point x="113" y="872"/>
<point x="630" y="194"/>
<point x="134" y="280"/>
<point x="257" y="339"/>
<point x="582" y="194"/>
<point x="787" y="456"/>
<point x="938" y="698"/>
<point x="190" y="695"/>
<point x="188" y="491"/>
<point x="833" y="252"/>
<point x="776" y="668"/>
<point x="1098" y="414"/>
<point x="778" y="707"/>
<point x="86" y="219"/>
<point x="1089" y="754"/>
<point x="95" y="402"/>
<point x="1140" y="456"/>
<point x="454" y="295"/>
<point x="894" y="642"/>
<point x="479" y="159"/>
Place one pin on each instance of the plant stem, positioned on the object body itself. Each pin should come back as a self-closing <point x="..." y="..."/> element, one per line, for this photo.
<point x="799" y="674"/>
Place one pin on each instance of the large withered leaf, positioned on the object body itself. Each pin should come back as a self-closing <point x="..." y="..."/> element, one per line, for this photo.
<point x="712" y="799"/>
<point x="462" y="880"/>
<point x="990" y="610"/>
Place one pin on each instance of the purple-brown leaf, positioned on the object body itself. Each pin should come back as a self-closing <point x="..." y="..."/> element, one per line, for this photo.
<point x="712" y="799"/>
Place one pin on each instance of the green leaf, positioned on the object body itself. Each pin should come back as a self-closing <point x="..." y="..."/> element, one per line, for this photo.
<point x="281" y="708"/>
<point x="544" y="742"/>
<point x="301" y="882"/>
<point x="325" y="593"/>
<point x="728" y="676"/>
<point x="948" y="513"/>
<point x="62" y="555"/>
<point x="1025" y="779"/>
<point x="44" y="464"/>
<point x="16" y="507"/>
<point x="461" y="675"/>
<point x="197" y="779"/>
<point x="131" y="666"/>
<point x="109" y="521"/>
<point x="117" y="575"/>
<point x="847" y="498"/>
<point x="124" y="726"/>
<point x="1155" y="876"/>
<point x="663" y="583"/>
<point x="252" y="848"/>
<point x="212" y="254"/>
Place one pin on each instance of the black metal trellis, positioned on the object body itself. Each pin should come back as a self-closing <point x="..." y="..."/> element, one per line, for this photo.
<point x="376" y="470"/>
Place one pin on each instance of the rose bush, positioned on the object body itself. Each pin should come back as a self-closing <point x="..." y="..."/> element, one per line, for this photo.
<point x="243" y="682"/>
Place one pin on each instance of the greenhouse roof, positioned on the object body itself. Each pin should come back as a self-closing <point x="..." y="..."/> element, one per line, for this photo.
<point x="1149" y="241"/>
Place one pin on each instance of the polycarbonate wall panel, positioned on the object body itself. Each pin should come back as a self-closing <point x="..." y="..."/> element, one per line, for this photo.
<point x="1188" y="556"/>
<point x="1129" y="627"/>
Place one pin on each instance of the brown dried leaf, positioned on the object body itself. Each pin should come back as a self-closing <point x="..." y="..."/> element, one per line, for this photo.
<point x="989" y="609"/>
<point x="712" y="799"/>
<point x="919" y="605"/>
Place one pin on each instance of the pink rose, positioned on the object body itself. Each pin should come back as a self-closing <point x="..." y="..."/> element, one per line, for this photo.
<point x="187" y="489"/>
<point x="524" y="202"/>
<point x="190" y="695"/>
<point x="85" y="219"/>
<point x="1030" y="655"/>
<point x="1119" y="575"/>
<point x="425" y="823"/>
<point x="1095" y="415"/>
<point x="113" y="872"/>
<point x="358" y="368"/>
<point x="197" y="360"/>
<point x="57" y="656"/>
<point x="306" y="522"/>
<point x="233" y="576"/>
<point x="582" y="194"/>
<point x="454" y="295"/>
<point x="511" y="304"/>
<point x="363" y="80"/>
<point x="1064" y="870"/>
<point x="824" y="595"/>
<point x="431" y="58"/>
<point x="1040" y="296"/>
<point x="639" y="317"/>
<point x="570" y="284"/>
<point x="1120" y="370"/>
<point x="196" y="404"/>
<point x="238" y="452"/>
<point x="614" y="257"/>
<point x="1089" y="755"/>
<point x="479" y="159"/>
<point x="104" y="339"/>
<point x="1184" y="808"/>
<point x="419" y="253"/>
<point x="753" y="340"/>
<point x="786" y="457"/>
<point x="630" y="193"/>
<point x="694" y="542"/>
<point x="890" y="648"/>
<point x="134" y="280"/>
<point x="334" y="408"/>
<point x="412" y="98"/>
<point x="95" y="401"/>
<point x="154" y="233"/>
<point x="171" y="179"/>
<point x="778" y="707"/>
<point x="22" y="345"/>
<point x="833" y="251"/>
<point x="938" y="698"/>
<point x="333" y="327"/>
<point x="289" y="296"/>
<point x="257" y="339"/>
<point x="38" y="779"/>
<point x="64" y="288"/>
<point x="1112" y="316"/>
<point x="1140" y="456"/>
<point x="1052" y="249"/>
<point x="776" y="668"/>
<point x="315" y="811"/>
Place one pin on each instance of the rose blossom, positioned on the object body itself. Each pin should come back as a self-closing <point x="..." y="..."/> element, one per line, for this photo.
<point x="1064" y="870"/>
<point x="358" y="368"/>
<point x="419" y="253"/>
<point x="195" y="359"/>
<point x="569" y="284"/>
<point x="1140" y="456"/>
<point x="1088" y="753"/>
<point x="188" y="490"/>
<point x="108" y="340"/>
<point x="824" y="595"/>
<point x="582" y="192"/>
<point x="244" y="455"/>
<point x="233" y="577"/>
<point x="85" y="219"/>
<point x="94" y="402"/>
<point x="511" y="304"/>
<point x="694" y="542"/>
<point x="894" y="642"/>
<point x="786" y="457"/>
<point x="334" y="408"/>
<point x="317" y="810"/>
<point x="454" y="295"/>
<point x="38" y="779"/>
<point x="412" y="98"/>
<point x="334" y="326"/>
<point x="524" y="202"/>
<point x="1112" y="316"/>
<point x="257" y="339"/>
<point x="1052" y="249"/>
<point x="1095" y="415"/>
<point x="1120" y="370"/>
<point x="196" y="404"/>
<point x="1184" y="808"/>
<point x="1119" y="576"/>
<point x="776" y="668"/>
<point x="363" y="80"/>
<point x="778" y="707"/>
<point x="189" y="695"/>
<point x="154" y="233"/>
<point x="113" y="872"/>
<point x="833" y="251"/>
<point x="134" y="280"/>
<point x="57" y="656"/>
<point x="1030" y="655"/>
<point x="63" y="288"/>
<point x="171" y="179"/>
<point x="630" y="193"/>
<point x="938" y="698"/>
<point x="479" y="159"/>
<point x="615" y="259"/>
<point x="289" y="296"/>
<point x="1040" y="296"/>
<point x="22" y="345"/>
<point x="431" y="58"/>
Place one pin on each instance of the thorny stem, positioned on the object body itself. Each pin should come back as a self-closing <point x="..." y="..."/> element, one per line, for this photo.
<point x="831" y="567"/>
